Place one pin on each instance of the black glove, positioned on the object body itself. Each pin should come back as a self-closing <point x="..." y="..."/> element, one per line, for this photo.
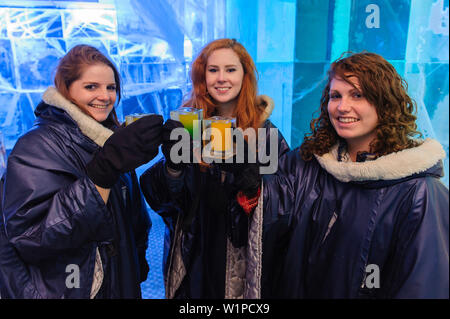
<point x="128" y="148"/>
<point x="246" y="175"/>
<point x="167" y="144"/>
<point x="248" y="180"/>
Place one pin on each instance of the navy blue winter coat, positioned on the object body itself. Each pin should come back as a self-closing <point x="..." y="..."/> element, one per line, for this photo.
<point x="207" y="231"/>
<point x="55" y="220"/>
<point x="377" y="229"/>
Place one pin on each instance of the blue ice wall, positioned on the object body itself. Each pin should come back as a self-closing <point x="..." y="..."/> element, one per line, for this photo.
<point x="267" y="29"/>
<point x="412" y="35"/>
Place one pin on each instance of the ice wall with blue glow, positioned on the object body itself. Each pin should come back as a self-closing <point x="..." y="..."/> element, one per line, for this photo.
<point x="151" y="42"/>
<point x="267" y="29"/>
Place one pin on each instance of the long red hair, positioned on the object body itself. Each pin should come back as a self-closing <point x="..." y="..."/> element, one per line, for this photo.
<point x="247" y="112"/>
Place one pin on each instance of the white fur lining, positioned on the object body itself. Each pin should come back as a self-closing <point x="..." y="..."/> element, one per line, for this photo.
<point x="254" y="251"/>
<point x="235" y="271"/>
<point x="90" y="127"/>
<point x="99" y="134"/>
<point x="389" y="167"/>
<point x="97" y="280"/>
<point x="260" y="99"/>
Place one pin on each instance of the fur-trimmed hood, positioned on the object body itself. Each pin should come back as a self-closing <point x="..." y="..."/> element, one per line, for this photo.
<point x="90" y="127"/>
<point x="268" y="103"/>
<point x="389" y="167"/>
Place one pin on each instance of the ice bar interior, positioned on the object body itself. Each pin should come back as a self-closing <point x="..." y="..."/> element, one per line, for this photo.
<point x="154" y="42"/>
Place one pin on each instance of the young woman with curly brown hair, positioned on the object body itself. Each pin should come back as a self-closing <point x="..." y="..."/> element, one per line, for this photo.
<point x="375" y="81"/>
<point x="360" y="201"/>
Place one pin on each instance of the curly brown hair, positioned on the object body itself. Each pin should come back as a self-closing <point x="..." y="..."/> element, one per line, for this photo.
<point x="384" y="88"/>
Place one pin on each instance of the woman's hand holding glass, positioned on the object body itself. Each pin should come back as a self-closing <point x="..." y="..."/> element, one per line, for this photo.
<point x="128" y="148"/>
<point x="167" y="144"/>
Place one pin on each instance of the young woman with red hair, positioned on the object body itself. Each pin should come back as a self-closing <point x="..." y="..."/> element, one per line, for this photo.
<point x="208" y="231"/>
<point x="230" y="88"/>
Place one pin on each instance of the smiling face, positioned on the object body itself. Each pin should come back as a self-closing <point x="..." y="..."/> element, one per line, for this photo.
<point x="351" y="115"/>
<point x="224" y="76"/>
<point x="95" y="91"/>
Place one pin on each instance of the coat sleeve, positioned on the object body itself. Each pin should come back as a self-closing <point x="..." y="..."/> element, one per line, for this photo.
<point x="421" y="261"/>
<point x="164" y="194"/>
<point x="238" y="220"/>
<point x="141" y="226"/>
<point x="287" y="194"/>
<point x="15" y="279"/>
<point x="287" y="190"/>
<point x="283" y="145"/>
<point x="49" y="205"/>
<point x="269" y="158"/>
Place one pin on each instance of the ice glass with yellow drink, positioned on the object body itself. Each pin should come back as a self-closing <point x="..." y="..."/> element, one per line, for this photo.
<point x="218" y="134"/>
<point x="190" y="117"/>
<point x="130" y="118"/>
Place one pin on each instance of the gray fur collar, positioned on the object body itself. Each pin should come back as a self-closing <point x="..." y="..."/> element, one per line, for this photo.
<point x="90" y="127"/>
<point x="268" y="103"/>
<point x="389" y="167"/>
